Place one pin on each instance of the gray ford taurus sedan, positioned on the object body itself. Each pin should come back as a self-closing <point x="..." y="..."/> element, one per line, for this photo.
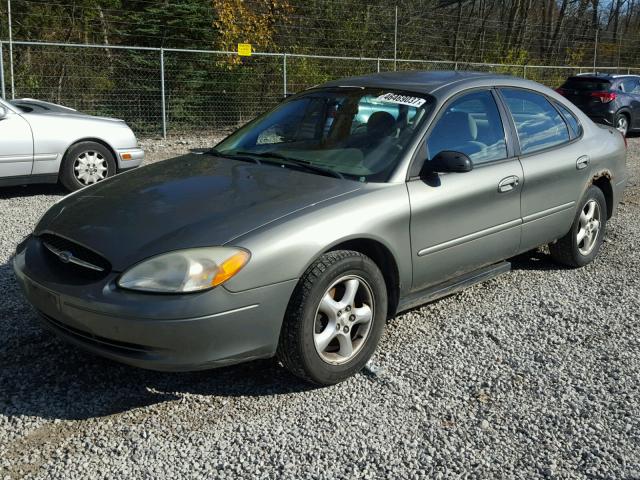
<point x="304" y="231"/>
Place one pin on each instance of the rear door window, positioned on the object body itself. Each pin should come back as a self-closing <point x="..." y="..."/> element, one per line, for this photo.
<point x="538" y="123"/>
<point x="628" y="85"/>
<point x="571" y="120"/>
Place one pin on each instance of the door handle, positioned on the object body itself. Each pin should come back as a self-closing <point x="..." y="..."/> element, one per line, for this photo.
<point x="582" y="162"/>
<point x="508" y="184"/>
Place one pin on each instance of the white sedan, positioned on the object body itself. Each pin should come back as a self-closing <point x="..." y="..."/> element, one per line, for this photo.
<point x="42" y="142"/>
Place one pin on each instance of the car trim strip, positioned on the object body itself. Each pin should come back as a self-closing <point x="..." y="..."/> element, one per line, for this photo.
<point x="45" y="157"/>
<point x="16" y="158"/>
<point x="549" y="211"/>
<point x="470" y="237"/>
<point x="187" y="319"/>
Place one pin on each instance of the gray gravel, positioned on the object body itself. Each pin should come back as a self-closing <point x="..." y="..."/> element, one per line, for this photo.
<point x="534" y="374"/>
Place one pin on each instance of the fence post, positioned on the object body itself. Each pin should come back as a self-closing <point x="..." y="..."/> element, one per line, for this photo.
<point x="524" y="71"/>
<point x="595" y="52"/>
<point x="455" y="66"/>
<point x="284" y="75"/>
<point x="164" y="108"/>
<point x="395" y="43"/>
<point x="13" y="87"/>
<point x="2" y="90"/>
<point x="378" y="65"/>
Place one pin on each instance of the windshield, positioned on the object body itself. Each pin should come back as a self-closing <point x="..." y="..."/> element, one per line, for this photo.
<point x="350" y="132"/>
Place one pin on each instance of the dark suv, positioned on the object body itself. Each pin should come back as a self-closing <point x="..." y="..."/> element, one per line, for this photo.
<point x="609" y="99"/>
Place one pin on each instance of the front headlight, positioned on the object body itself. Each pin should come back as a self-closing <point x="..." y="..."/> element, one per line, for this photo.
<point x="183" y="271"/>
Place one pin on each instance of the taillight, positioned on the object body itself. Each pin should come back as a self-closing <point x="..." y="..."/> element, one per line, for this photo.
<point x="561" y="91"/>
<point x="604" y="97"/>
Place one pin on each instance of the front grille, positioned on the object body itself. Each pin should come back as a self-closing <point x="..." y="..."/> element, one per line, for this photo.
<point x="98" y="341"/>
<point x="89" y="262"/>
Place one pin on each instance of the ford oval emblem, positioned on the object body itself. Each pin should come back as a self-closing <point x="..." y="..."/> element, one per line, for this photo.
<point x="65" y="257"/>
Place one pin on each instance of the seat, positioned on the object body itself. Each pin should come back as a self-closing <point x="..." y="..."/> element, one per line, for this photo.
<point x="455" y="131"/>
<point x="380" y="125"/>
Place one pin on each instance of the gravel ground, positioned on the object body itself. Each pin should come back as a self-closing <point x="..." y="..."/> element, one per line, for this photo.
<point x="533" y="374"/>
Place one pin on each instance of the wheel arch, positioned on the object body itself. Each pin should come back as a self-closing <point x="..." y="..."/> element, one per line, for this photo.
<point x="383" y="258"/>
<point x="626" y="111"/>
<point x="89" y="139"/>
<point x="602" y="180"/>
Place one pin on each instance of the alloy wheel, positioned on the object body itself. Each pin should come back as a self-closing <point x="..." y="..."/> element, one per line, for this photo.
<point x="622" y="125"/>
<point x="589" y="227"/>
<point x="343" y="319"/>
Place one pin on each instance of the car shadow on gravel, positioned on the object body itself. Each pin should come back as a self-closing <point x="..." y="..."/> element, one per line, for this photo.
<point x="32" y="191"/>
<point x="534" y="260"/>
<point x="43" y="376"/>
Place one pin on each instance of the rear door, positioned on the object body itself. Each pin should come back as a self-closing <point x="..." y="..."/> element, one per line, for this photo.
<point x="463" y="221"/>
<point x="554" y="164"/>
<point x="16" y="145"/>
<point x="632" y="88"/>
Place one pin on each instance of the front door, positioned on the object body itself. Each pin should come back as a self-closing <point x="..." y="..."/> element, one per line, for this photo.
<point x="463" y="221"/>
<point x="16" y="145"/>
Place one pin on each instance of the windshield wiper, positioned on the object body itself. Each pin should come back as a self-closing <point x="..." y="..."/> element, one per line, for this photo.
<point x="232" y="156"/>
<point x="295" y="161"/>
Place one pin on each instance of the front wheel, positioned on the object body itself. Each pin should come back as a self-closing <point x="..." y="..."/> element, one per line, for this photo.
<point x="581" y="245"/>
<point x="335" y="318"/>
<point x="85" y="164"/>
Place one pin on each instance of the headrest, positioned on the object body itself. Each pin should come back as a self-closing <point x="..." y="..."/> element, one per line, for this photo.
<point x="380" y="124"/>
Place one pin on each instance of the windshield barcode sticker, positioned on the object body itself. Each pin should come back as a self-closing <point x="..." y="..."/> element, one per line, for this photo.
<point x="401" y="99"/>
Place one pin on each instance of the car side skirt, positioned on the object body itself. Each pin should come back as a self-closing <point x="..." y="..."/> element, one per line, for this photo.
<point x="452" y="286"/>
<point x="29" y="179"/>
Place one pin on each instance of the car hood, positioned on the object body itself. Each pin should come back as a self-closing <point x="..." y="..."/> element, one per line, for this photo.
<point x="188" y="201"/>
<point x="32" y="106"/>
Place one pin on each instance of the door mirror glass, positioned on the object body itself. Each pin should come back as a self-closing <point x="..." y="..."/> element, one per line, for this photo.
<point x="448" y="161"/>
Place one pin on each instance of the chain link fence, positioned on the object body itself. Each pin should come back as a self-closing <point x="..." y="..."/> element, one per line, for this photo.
<point x="162" y="92"/>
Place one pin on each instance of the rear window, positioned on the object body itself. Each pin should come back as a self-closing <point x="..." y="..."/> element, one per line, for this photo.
<point x="587" y="84"/>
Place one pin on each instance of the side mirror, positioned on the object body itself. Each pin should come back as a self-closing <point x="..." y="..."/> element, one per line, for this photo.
<point x="3" y="112"/>
<point x="448" y="161"/>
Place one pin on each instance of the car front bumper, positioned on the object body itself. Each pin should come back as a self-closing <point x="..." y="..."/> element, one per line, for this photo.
<point x="129" y="158"/>
<point x="158" y="332"/>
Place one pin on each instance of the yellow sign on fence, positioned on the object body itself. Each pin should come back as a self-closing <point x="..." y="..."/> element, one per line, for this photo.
<point x="244" y="49"/>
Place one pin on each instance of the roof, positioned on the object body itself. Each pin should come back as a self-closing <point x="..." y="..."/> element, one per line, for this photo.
<point x="417" y="81"/>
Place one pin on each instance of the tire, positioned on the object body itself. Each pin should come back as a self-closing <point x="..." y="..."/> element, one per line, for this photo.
<point x="622" y="123"/>
<point x="572" y="251"/>
<point x="96" y="160"/>
<point x="308" y="325"/>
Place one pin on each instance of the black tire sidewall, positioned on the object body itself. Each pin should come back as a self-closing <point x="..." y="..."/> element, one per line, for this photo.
<point x="317" y="369"/>
<point x="593" y="193"/>
<point x="67" y="176"/>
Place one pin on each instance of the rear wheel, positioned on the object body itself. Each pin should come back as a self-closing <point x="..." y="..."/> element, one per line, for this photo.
<point x="581" y="245"/>
<point x="622" y="124"/>
<point x="85" y="164"/>
<point x="335" y="318"/>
